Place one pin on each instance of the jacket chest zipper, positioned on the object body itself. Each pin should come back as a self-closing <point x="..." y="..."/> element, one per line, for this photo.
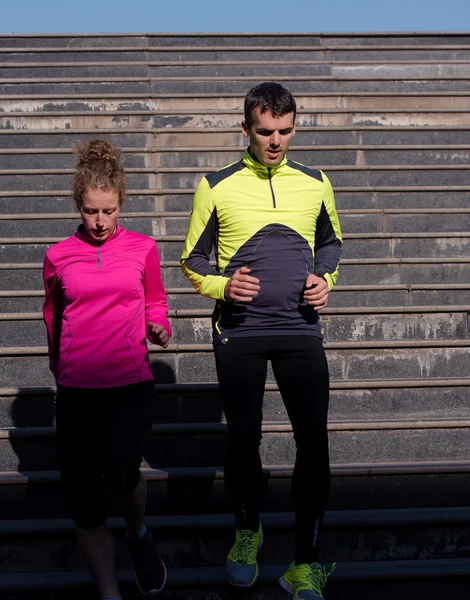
<point x="271" y="186"/>
<point x="98" y="256"/>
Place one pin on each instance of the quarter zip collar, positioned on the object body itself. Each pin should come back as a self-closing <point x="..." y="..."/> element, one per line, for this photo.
<point x="257" y="167"/>
<point x="82" y="235"/>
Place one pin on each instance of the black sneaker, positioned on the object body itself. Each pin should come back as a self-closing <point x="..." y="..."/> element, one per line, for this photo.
<point x="150" y="570"/>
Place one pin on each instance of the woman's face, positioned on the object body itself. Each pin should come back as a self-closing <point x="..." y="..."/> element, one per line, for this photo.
<point x="100" y="212"/>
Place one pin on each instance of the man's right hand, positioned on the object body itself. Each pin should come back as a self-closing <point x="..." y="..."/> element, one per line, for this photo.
<point x="241" y="286"/>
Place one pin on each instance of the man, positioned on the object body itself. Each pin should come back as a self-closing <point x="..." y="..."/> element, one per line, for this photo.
<point x="273" y="225"/>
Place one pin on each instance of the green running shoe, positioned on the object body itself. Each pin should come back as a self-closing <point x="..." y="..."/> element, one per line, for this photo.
<point x="241" y="566"/>
<point x="305" y="581"/>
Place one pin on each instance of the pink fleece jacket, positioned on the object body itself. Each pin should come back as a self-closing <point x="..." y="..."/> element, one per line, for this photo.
<point x="99" y="299"/>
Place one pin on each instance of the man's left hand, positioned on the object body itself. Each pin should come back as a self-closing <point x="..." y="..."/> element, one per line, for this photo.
<point x="158" y="335"/>
<point x="316" y="292"/>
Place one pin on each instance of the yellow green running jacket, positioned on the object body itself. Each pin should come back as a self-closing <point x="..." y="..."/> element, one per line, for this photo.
<point x="281" y="223"/>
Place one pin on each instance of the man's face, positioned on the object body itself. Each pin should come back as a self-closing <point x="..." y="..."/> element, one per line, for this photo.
<point x="269" y="136"/>
<point x="100" y="212"/>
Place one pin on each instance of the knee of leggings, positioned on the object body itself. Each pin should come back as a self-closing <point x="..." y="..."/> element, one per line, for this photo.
<point x="312" y="438"/>
<point x="86" y="501"/>
<point x="88" y="518"/>
<point x="243" y="442"/>
<point x="313" y="448"/>
<point x="122" y="481"/>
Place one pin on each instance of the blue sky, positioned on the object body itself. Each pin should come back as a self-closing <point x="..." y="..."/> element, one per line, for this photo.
<point x="88" y="16"/>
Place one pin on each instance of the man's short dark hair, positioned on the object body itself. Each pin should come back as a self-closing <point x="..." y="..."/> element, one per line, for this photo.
<point x="269" y="96"/>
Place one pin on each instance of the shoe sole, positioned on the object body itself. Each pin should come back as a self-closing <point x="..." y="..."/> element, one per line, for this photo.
<point x="152" y="591"/>
<point x="255" y="579"/>
<point x="289" y="589"/>
<point x="286" y="586"/>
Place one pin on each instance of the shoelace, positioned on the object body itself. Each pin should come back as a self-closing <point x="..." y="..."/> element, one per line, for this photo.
<point x="244" y="546"/>
<point x="317" y="576"/>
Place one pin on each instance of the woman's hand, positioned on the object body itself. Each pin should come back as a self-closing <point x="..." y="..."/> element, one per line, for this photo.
<point x="158" y="335"/>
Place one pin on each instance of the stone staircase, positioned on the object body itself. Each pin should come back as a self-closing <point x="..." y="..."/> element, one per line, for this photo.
<point x="386" y="116"/>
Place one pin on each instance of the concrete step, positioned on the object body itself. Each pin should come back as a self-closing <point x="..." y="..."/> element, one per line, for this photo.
<point x="258" y="40"/>
<point x="360" y="581"/>
<point x="25" y="330"/>
<point x="373" y="226"/>
<point x="366" y="271"/>
<point x="368" y="296"/>
<point x="267" y="69"/>
<point x="60" y="71"/>
<point x="354" y="176"/>
<point x="428" y="198"/>
<point x="136" y="181"/>
<point x="45" y="139"/>
<point x="200" y="53"/>
<point x="326" y="155"/>
<point x="340" y="80"/>
<point x="66" y="159"/>
<point x="190" y="175"/>
<point x="203" y="444"/>
<point x="196" y="540"/>
<point x="411" y="402"/>
<point x="219" y="157"/>
<point x="336" y="328"/>
<point x="379" y="232"/>
<point x="134" y="54"/>
<point x="61" y="41"/>
<point x="382" y="233"/>
<point x="201" y="138"/>
<point x="380" y="271"/>
<point x="128" y="86"/>
<point x="39" y="204"/>
<point x="392" y="247"/>
<point x="167" y="178"/>
<point x="391" y="485"/>
<point x="233" y="101"/>
<point x="348" y="361"/>
<point x="385" y="295"/>
<point x="386" y="580"/>
<point x="230" y="119"/>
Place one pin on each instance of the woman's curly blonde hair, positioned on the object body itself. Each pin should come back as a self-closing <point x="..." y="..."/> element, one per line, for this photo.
<point x="99" y="167"/>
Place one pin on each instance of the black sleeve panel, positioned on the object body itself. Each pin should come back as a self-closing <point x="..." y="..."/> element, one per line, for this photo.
<point x="198" y="259"/>
<point x="328" y="246"/>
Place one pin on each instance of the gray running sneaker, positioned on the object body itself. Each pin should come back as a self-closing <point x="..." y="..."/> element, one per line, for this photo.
<point x="150" y="570"/>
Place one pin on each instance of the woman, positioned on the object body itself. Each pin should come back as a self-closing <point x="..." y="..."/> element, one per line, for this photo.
<point x="104" y="296"/>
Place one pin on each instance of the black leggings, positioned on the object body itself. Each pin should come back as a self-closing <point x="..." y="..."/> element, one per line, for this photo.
<point x="101" y="435"/>
<point x="301" y="371"/>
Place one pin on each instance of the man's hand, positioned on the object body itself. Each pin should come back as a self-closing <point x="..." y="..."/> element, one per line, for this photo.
<point x="242" y="287"/>
<point x="316" y="292"/>
<point x="158" y="335"/>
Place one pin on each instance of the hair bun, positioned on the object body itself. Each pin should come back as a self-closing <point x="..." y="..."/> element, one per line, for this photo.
<point x="99" y="167"/>
<point x="98" y="150"/>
